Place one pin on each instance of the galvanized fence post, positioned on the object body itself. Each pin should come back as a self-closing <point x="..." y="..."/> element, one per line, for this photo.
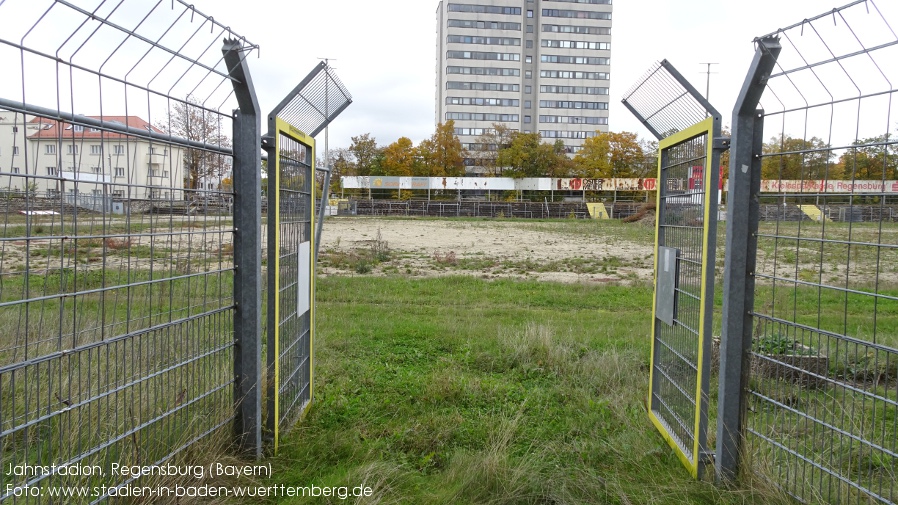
<point x="247" y="254"/>
<point x="739" y="266"/>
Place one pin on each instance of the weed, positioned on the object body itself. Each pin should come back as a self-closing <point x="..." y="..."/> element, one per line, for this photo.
<point x="445" y="259"/>
<point x="118" y="244"/>
<point x="380" y="249"/>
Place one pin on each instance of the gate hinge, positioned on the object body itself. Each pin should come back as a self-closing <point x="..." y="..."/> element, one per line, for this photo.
<point x="722" y="143"/>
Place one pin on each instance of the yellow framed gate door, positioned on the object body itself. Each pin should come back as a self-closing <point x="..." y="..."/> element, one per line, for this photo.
<point x="291" y="277"/>
<point x="682" y="313"/>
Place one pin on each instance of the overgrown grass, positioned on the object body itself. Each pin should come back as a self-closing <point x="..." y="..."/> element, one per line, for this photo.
<point x="458" y="390"/>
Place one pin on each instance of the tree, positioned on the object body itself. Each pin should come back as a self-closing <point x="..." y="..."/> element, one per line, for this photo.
<point x="364" y="149"/>
<point x="191" y="121"/>
<point x="649" y="165"/>
<point x="442" y="154"/>
<point x="871" y="159"/>
<point x="527" y="156"/>
<point x="610" y="155"/>
<point x="790" y="158"/>
<point x="400" y="158"/>
<point x="488" y="146"/>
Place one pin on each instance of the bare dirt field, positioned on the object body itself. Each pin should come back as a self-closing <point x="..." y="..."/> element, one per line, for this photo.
<point x="561" y="251"/>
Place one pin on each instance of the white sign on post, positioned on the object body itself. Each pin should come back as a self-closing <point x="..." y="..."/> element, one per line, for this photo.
<point x="302" y="284"/>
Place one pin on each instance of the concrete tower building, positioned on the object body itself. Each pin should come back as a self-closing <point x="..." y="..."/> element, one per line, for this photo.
<point x="532" y="65"/>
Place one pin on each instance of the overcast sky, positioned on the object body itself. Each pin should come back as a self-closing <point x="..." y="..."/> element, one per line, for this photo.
<point x="384" y="52"/>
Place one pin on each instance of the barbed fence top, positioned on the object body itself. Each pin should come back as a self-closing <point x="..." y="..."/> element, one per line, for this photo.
<point x="665" y="102"/>
<point x="834" y="69"/>
<point x="113" y="58"/>
<point x="315" y="101"/>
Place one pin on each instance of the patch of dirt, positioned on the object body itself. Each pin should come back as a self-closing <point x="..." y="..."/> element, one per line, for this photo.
<point x="487" y="249"/>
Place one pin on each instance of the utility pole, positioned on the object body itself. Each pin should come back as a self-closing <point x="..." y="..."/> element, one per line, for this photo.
<point x="327" y="152"/>
<point x="708" y="82"/>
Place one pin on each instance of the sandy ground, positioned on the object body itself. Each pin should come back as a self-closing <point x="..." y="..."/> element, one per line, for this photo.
<point x="490" y="249"/>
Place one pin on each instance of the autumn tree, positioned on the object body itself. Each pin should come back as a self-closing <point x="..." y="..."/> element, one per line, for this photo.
<point x="871" y="159"/>
<point x="191" y="121"/>
<point x="400" y="158"/>
<point x="442" y="154"/>
<point x="366" y="153"/>
<point x="649" y="165"/>
<point x="488" y="146"/>
<point x="610" y="155"/>
<point x="528" y="156"/>
<point x="789" y="158"/>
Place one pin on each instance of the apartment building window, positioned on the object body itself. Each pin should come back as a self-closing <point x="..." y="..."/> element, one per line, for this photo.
<point x="528" y="74"/>
<point x="482" y="86"/>
<point x="528" y="59"/>
<point x="152" y="172"/>
<point x="559" y="13"/>
<point x="118" y="193"/>
<point x="78" y="128"/>
<point x="529" y="44"/>
<point x="529" y="28"/>
<point x="95" y="170"/>
<point x="96" y="149"/>
<point x="15" y="170"/>
<point x="476" y="116"/>
<point x="501" y="102"/>
<point x="50" y="149"/>
<point x="476" y="55"/>
<point x="493" y="25"/>
<point x="119" y="171"/>
<point x="97" y="192"/>
<point x="484" y="9"/>
<point x="72" y="149"/>
<point x="483" y="71"/>
<point x="528" y="89"/>
<point x="118" y="149"/>
<point x="51" y="170"/>
<point x="529" y="14"/>
<point x="528" y="104"/>
<point x="15" y="150"/>
<point x="527" y="119"/>
<point x="487" y="41"/>
<point x="563" y="104"/>
<point x="164" y="174"/>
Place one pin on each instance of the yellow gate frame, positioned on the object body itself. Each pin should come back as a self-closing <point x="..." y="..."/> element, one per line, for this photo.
<point x="274" y="197"/>
<point x="705" y="127"/>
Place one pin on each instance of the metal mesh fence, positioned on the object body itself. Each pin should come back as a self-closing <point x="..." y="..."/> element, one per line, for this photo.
<point x="681" y="339"/>
<point x="822" y="419"/>
<point x="116" y="242"/>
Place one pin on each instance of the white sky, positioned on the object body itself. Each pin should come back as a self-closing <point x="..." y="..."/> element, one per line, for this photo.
<point x="384" y="51"/>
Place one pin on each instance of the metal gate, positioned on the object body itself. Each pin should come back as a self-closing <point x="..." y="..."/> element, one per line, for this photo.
<point x="686" y="234"/>
<point x="686" y="231"/>
<point x="292" y="241"/>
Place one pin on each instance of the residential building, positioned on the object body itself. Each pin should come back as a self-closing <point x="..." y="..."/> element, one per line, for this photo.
<point x="532" y="65"/>
<point x="52" y="158"/>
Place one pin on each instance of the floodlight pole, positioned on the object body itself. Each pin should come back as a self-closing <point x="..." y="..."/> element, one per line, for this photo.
<point x="708" y="83"/>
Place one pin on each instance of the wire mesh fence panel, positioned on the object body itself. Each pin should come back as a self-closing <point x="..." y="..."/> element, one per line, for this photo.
<point x="822" y="420"/>
<point x="686" y="226"/>
<point x="116" y="241"/>
<point x="291" y="281"/>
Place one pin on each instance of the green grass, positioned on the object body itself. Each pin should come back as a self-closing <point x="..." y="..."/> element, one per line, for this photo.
<point x="459" y="390"/>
